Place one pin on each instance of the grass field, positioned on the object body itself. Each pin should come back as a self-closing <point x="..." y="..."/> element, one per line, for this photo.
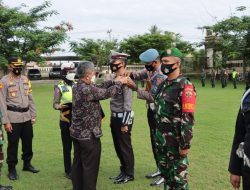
<point x="215" y="118"/>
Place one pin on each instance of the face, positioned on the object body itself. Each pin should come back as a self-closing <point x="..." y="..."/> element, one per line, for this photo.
<point x="17" y="70"/>
<point x="169" y="65"/>
<point x="150" y="66"/>
<point x="117" y="65"/>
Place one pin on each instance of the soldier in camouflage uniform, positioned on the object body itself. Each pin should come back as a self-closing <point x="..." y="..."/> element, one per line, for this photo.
<point x="174" y="103"/>
<point x="1" y="154"/>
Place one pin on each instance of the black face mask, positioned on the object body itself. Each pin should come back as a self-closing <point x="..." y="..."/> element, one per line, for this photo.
<point x="166" y="69"/>
<point x="114" y="67"/>
<point x="149" y="67"/>
<point x="17" y="71"/>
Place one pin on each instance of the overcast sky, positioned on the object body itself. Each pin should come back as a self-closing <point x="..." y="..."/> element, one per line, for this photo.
<point x="93" y="18"/>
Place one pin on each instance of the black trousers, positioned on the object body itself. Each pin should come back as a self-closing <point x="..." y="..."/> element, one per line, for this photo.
<point x="152" y="128"/>
<point x="246" y="181"/>
<point x="86" y="163"/>
<point x="203" y="82"/>
<point x="25" y="132"/>
<point x="235" y="83"/>
<point x="123" y="146"/>
<point x="67" y="145"/>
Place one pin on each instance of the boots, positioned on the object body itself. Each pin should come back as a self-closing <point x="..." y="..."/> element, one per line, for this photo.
<point x="5" y="187"/>
<point x="28" y="167"/>
<point x="12" y="175"/>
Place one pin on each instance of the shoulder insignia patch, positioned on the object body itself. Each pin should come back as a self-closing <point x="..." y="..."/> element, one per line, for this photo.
<point x="188" y="98"/>
<point x="1" y="85"/>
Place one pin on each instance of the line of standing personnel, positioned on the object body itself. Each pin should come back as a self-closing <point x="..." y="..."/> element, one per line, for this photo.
<point x="19" y="114"/>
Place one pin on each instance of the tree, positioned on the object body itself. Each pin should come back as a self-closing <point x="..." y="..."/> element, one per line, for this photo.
<point x="97" y="51"/>
<point x="21" y="33"/>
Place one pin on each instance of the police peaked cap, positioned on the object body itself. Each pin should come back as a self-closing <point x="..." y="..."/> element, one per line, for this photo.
<point x="16" y="61"/>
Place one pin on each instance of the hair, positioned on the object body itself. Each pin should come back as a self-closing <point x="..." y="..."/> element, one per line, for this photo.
<point x="84" y="67"/>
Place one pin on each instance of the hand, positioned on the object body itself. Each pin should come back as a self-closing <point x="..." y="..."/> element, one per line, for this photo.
<point x="123" y="80"/>
<point x="8" y="127"/>
<point x="33" y="120"/>
<point x="131" y="84"/>
<point x="235" y="181"/>
<point x="124" y="129"/>
<point x="184" y="152"/>
<point x="127" y="73"/>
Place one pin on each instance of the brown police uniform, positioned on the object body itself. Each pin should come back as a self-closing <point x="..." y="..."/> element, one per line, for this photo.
<point x="18" y="108"/>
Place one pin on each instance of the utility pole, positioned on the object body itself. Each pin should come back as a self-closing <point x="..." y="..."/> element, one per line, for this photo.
<point x="109" y="34"/>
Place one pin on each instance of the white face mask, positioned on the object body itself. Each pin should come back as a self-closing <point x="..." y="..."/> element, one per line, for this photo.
<point x="70" y="76"/>
<point x="93" y="79"/>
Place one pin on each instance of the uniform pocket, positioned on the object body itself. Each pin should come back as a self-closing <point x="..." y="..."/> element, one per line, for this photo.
<point x="13" y="92"/>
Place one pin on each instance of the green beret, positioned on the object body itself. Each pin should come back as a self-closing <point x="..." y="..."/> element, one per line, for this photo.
<point x="172" y="52"/>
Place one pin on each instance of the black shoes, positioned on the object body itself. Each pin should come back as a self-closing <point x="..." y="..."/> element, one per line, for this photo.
<point x="5" y="187"/>
<point x="13" y="175"/>
<point x="158" y="182"/>
<point x="117" y="177"/>
<point x="30" y="168"/>
<point x="67" y="175"/>
<point x="124" y="179"/>
<point x="153" y="175"/>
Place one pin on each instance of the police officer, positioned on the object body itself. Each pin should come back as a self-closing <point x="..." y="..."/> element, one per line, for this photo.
<point x="203" y="77"/>
<point x="235" y="75"/>
<point x="19" y="114"/>
<point x="153" y="76"/>
<point x="63" y="102"/>
<point x="239" y="165"/>
<point x="121" y="121"/>
<point x="223" y="78"/>
<point x="213" y="78"/>
<point x="1" y="153"/>
<point x="174" y="111"/>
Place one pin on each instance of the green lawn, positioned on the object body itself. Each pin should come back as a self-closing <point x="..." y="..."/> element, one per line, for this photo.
<point x="215" y="118"/>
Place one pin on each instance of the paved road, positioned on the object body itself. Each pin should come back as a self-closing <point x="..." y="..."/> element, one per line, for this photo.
<point x="44" y="81"/>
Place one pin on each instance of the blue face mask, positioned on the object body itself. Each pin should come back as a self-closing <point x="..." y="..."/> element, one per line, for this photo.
<point x="167" y="69"/>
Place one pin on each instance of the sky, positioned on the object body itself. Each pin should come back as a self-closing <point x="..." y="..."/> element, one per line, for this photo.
<point x="93" y="18"/>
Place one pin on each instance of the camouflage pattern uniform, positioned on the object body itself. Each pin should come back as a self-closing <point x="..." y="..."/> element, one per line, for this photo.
<point x="174" y="102"/>
<point x="1" y="143"/>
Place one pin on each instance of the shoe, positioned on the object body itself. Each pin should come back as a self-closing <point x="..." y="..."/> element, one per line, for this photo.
<point x="158" y="182"/>
<point x="30" y="168"/>
<point x="67" y="175"/>
<point x="13" y="175"/>
<point x="153" y="175"/>
<point x="124" y="179"/>
<point x="117" y="177"/>
<point x="5" y="187"/>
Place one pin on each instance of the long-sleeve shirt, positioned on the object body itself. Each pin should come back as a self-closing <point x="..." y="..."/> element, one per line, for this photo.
<point x="16" y="92"/>
<point x="153" y="79"/>
<point x="86" y="108"/>
<point x="242" y="134"/>
<point x="174" y="107"/>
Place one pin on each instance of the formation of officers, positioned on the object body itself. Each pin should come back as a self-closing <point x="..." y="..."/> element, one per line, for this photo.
<point x="170" y="98"/>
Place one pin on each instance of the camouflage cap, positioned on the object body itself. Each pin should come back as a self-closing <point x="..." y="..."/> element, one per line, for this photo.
<point x="15" y="61"/>
<point x="172" y="52"/>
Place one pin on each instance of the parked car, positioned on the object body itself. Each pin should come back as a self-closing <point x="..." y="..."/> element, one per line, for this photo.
<point x="34" y="74"/>
<point x="55" y="73"/>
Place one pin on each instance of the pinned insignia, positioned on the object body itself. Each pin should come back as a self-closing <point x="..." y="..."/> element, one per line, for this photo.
<point x="13" y="94"/>
<point x="169" y="51"/>
<point x="1" y="85"/>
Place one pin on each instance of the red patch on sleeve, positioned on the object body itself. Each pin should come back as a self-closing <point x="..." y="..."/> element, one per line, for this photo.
<point x="188" y="98"/>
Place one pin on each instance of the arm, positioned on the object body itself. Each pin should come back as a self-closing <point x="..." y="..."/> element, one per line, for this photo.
<point x="3" y="106"/>
<point x="235" y="163"/>
<point x="139" y="75"/>
<point x="31" y="103"/>
<point x="145" y="95"/>
<point x="127" y="105"/>
<point x="94" y="93"/>
<point x="57" y="98"/>
<point x="188" y="100"/>
<point x="105" y="84"/>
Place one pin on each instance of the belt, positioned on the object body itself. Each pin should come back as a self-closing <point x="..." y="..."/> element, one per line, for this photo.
<point x="17" y="109"/>
<point x="118" y="115"/>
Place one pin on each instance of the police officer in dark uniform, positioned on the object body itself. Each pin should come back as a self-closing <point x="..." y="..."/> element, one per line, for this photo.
<point x="63" y="102"/>
<point x="203" y="77"/>
<point x="122" y="121"/>
<point x="239" y="165"/>
<point x="19" y="114"/>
